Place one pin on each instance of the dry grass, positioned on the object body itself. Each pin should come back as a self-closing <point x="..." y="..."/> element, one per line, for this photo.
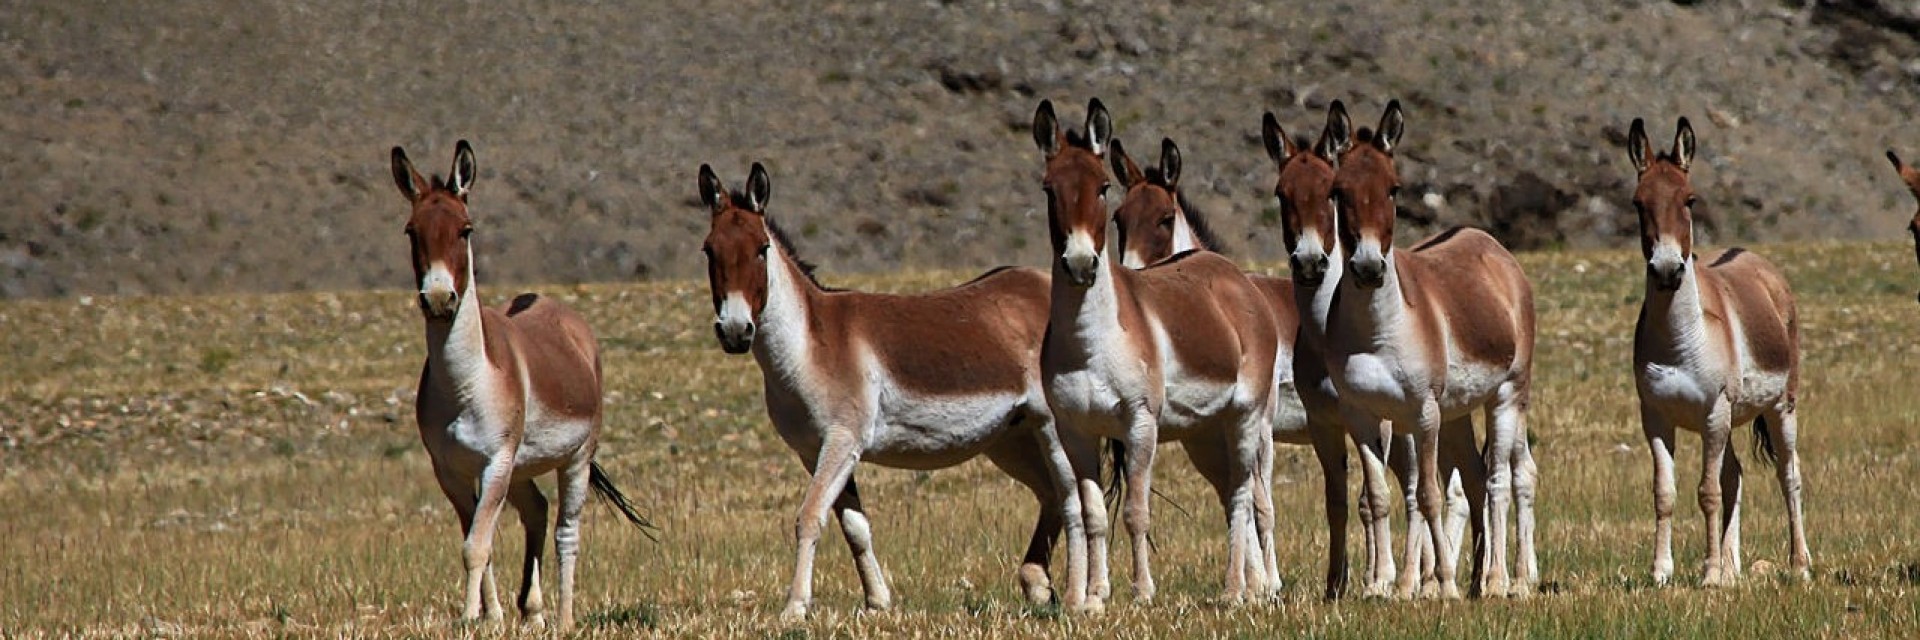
<point x="247" y="466"/>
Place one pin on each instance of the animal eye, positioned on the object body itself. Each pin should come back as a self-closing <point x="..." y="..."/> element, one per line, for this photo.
<point x="1167" y="222"/>
<point x="466" y="231"/>
<point x="1394" y="192"/>
<point x="1691" y="200"/>
<point x="763" y="251"/>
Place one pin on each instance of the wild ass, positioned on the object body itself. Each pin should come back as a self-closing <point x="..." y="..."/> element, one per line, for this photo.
<point x="1912" y="178"/>
<point x="922" y="381"/>
<point x="1181" y="351"/>
<point x="506" y="395"/>
<point x="1155" y="221"/>
<point x="1422" y="338"/>
<point x="1714" y="347"/>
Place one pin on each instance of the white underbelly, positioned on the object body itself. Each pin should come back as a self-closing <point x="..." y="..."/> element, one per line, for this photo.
<point x="1192" y="405"/>
<point x="918" y="431"/>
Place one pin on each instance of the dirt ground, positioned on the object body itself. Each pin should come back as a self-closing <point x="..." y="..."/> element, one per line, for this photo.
<point x="226" y="146"/>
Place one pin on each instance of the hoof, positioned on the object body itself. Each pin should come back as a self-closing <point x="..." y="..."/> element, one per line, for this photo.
<point x="1036" y="586"/>
<point x="795" y="612"/>
<point x="1449" y="591"/>
<point x="1092" y="607"/>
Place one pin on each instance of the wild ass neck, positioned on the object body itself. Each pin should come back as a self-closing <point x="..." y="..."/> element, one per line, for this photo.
<point x="1675" y="318"/>
<point x="1316" y="302"/>
<point x="1092" y="313"/>
<point x="457" y="348"/>
<point x="783" y="342"/>
<point x="1370" y="311"/>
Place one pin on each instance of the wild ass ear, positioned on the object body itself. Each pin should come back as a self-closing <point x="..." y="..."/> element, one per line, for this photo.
<point x="1099" y="127"/>
<point x="461" y="177"/>
<point x="1338" y="136"/>
<point x="1637" y="149"/>
<point x="1046" y="129"/>
<point x="759" y="187"/>
<point x="1907" y="173"/>
<point x="1898" y="166"/>
<point x="1279" y="146"/>
<point x="1123" y="166"/>
<point x="411" y="183"/>
<point x="1683" y="145"/>
<point x="1392" y="124"/>
<point x="712" y="192"/>
<point x="1170" y="163"/>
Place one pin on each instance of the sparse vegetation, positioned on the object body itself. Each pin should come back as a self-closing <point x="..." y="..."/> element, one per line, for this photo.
<point x="262" y="500"/>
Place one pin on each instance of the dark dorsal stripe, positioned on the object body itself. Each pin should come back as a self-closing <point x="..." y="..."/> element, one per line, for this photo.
<point x="1728" y="256"/>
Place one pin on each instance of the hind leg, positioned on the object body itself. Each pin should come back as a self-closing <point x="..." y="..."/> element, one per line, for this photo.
<point x="572" y="493"/>
<point x="1525" y="480"/>
<point x="1142" y="436"/>
<point x="1023" y="457"/>
<point x="1330" y="448"/>
<point x="1783" y="431"/>
<point x="1419" y="556"/>
<point x="526" y="499"/>
<point x="1370" y="437"/>
<point x="1467" y="478"/>
<point x="1263" y="516"/>
<point x="1730" y="518"/>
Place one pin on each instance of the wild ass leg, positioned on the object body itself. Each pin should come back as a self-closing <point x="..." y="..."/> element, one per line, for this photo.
<point x="1263" y="516"/>
<point x="859" y="535"/>
<point x="1420" y="556"/>
<point x="1730" y="516"/>
<point x="572" y="493"/>
<point x="1370" y="437"/>
<point x="832" y="469"/>
<point x="1784" y="431"/>
<point x="532" y="507"/>
<point x="1064" y="473"/>
<point x="1330" y="447"/>
<point x="1023" y="456"/>
<point x="478" y="552"/>
<point x="1525" y="478"/>
<point x="1659" y="433"/>
<point x="1093" y="510"/>
<point x="461" y="493"/>
<point x="1503" y="430"/>
<point x="1142" y="435"/>
<point x="1428" y="446"/>
<point x="1468" y="474"/>
<point x="1714" y="454"/>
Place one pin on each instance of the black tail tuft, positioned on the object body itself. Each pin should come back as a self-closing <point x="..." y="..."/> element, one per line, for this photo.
<point x="1116" y="474"/>
<point x="604" y="486"/>
<point x="1763" y="442"/>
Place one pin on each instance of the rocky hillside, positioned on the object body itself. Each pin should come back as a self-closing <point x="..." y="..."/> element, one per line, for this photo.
<point x="219" y="145"/>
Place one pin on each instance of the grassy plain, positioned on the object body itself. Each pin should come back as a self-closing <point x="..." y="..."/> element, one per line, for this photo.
<point x="248" y="466"/>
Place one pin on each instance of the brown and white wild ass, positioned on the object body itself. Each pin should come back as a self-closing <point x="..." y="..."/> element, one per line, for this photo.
<point x="1912" y="178"/>
<point x="907" y="381"/>
<point x="1421" y="339"/>
<point x="1714" y="347"/>
<point x="1180" y="351"/>
<point x="1155" y="221"/>
<point x="506" y="395"/>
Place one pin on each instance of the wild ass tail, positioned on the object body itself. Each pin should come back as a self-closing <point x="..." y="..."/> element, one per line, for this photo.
<point x="1117" y="482"/>
<point x="1763" y="442"/>
<point x="604" y="486"/>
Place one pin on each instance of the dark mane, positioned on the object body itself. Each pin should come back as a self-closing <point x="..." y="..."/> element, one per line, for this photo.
<point x="1196" y="219"/>
<point x="1078" y="138"/>
<point x="786" y="246"/>
<point x="1363" y="136"/>
<point x="1728" y="256"/>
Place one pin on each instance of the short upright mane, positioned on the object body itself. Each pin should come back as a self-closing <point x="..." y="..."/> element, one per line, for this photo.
<point x="1196" y="219"/>
<point x="786" y="246"/>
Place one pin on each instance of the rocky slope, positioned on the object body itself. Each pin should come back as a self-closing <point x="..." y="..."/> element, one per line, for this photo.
<point x="221" y="145"/>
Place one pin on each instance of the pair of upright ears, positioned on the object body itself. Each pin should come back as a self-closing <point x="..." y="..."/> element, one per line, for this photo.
<point x="1048" y="135"/>
<point x="413" y="185"/>
<point x="1337" y="137"/>
<point x="1643" y="155"/>
<point x="718" y="199"/>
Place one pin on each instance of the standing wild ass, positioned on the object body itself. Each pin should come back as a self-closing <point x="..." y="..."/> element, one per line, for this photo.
<point x="1912" y="178"/>
<point x="1181" y="351"/>
<point x="506" y="395"/>
<point x="1713" y="347"/>
<point x="1421" y="339"/>
<point x="1155" y="221"/>
<point x="922" y="381"/>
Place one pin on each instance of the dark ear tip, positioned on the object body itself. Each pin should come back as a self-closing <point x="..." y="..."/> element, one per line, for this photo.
<point x="1094" y="105"/>
<point x="462" y="145"/>
<point x="758" y="168"/>
<point x="1167" y="143"/>
<point x="1684" y="124"/>
<point x="1046" y="104"/>
<point x="1894" y="158"/>
<point x="1393" y="105"/>
<point x="1337" y="106"/>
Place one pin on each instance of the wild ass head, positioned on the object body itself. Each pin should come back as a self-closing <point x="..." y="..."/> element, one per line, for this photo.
<point x="1664" y="201"/>
<point x="1305" y="190"/>
<point x="736" y="249"/>
<point x="438" y="230"/>
<point x="1150" y="219"/>
<point x="1364" y="189"/>
<point x="1075" y="182"/>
